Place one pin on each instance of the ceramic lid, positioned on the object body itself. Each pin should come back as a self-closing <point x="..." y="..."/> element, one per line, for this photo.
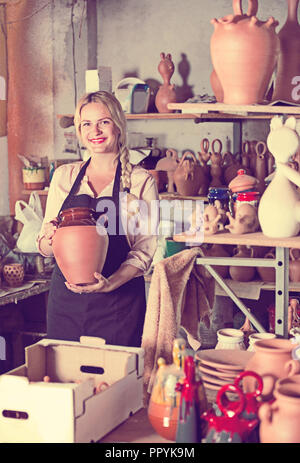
<point x="242" y="182"/>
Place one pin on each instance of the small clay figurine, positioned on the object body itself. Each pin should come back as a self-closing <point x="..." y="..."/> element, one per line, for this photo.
<point x="212" y="220"/>
<point x="245" y="220"/>
<point x="166" y="92"/>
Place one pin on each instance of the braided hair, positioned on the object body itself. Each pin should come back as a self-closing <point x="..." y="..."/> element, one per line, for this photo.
<point x="118" y="117"/>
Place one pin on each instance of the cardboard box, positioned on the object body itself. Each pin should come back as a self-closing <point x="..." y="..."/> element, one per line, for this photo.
<point x="65" y="411"/>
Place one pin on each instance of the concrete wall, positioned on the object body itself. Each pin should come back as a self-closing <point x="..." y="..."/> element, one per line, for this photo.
<point x="53" y="47"/>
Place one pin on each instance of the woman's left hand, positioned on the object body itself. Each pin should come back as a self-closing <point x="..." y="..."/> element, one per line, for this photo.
<point x="103" y="285"/>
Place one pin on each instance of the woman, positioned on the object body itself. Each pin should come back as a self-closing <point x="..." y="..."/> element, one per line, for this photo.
<point x="114" y="307"/>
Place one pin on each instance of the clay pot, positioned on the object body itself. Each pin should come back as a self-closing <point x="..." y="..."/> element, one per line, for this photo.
<point x="279" y="420"/>
<point x="230" y="338"/>
<point x="80" y="251"/>
<point x="244" y="54"/>
<point x="189" y="175"/>
<point x="242" y="182"/>
<point x="267" y="274"/>
<point x="169" y="164"/>
<point x="294" y="265"/>
<point x="288" y="66"/>
<point x="76" y="216"/>
<point x="161" y="179"/>
<point x="216" y="87"/>
<point x="13" y="274"/>
<point x="272" y="360"/>
<point x="166" y="92"/>
<point x="261" y="168"/>
<point x="216" y="169"/>
<point x="238" y="273"/>
<point x="217" y="250"/>
<point x="158" y="413"/>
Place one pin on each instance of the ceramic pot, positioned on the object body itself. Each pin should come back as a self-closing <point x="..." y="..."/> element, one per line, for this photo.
<point x="267" y="274"/>
<point x="294" y="265"/>
<point x="80" y="251"/>
<point x="279" y="420"/>
<point x="254" y="337"/>
<point x="159" y="414"/>
<point x="13" y="274"/>
<point x="238" y="273"/>
<point x="216" y="168"/>
<point x="272" y="360"/>
<point x="161" y="179"/>
<point x="242" y="182"/>
<point x="217" y="250"/>
<point x="189" y="175"/>
<point x="166" y="92"/>
<point x="244" y="53"/>
<point x="76" y="216"/>
<point x="289" y="57"/>
<point x="216" y="87"/>
<point x="34" y="178"/>
<point x="230" y="338"/>
<point x="261" y="167"/>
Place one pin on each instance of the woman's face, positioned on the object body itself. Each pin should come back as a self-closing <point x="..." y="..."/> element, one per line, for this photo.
<point x="98" y="131"/>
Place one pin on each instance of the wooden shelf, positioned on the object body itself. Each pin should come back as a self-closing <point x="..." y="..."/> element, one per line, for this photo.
<point x="40" y="192"/>
<point x="251" y="239"/>
<point x="237" y="110"/>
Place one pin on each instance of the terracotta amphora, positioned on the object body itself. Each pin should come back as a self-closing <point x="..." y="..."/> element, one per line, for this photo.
<point x="272" y="360"/>
<point x="294" y="265"/>
<point x="267" y="274"/>
<point x="279" y="420"/>
<point x="244" y="53"/>
<point x="189" y="176"/>
<point x="238" y="273"/>
<point x="288" y="67"/>
<point x="166" y="92"/>
<point x="80" y="246"/>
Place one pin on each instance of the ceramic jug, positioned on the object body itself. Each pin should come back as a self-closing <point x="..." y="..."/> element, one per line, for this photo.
<point x="216" y="87"/>
<point x="261" y="168"/>
<point x="79" y="246"/>
<point x="166" y="92"/>
<point x="189" y="175"/>
<point x="238" y="273"/>
<point x="279" y="420"/>
<point x="216" y="168"/>
<point x="244" y="53"/>
<point x="272" y="360"/>
<point x="267" y="274"/>
<point x="288" y="67"/>
<point x="294" y="265"/>
<point x="169" y="164"/>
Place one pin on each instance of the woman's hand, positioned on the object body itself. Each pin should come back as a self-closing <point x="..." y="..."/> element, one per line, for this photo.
<point x="49" y="231"/>
<point x="103" y="285"/>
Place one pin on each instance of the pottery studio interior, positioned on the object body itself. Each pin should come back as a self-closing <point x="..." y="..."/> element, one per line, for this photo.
<point x="144" y="159"/>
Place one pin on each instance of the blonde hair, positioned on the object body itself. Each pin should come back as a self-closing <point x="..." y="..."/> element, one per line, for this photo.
<point x="118" y="117"/>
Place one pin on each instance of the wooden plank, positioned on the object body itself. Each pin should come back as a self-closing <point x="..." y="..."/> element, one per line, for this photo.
<point x="251" y="239"/>
<point x="204" y="107"/>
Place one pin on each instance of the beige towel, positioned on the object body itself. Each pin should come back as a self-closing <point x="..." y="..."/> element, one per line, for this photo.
<point x="180" y="294"/>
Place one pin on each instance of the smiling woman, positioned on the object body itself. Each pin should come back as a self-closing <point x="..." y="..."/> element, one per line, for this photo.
<point x="114" y="306"/>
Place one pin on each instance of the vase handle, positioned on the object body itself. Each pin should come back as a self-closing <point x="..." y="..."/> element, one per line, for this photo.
<point x="252" y="7"/>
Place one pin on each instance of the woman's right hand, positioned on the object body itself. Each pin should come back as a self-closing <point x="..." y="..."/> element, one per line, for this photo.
<point x="49" y="231"/>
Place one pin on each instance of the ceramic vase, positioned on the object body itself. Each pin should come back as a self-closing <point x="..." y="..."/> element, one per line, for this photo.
<point x="254" y="337"/>
<point x="244" y="53"/>
<point x="288" y="67"/>
<point x="189" y="175"/>
<point x="267" y="274"/>
<point x="230" y="338"/>
<point x="279" y="420"/>
<point x="79" y="247"/>
<point x="166" y="92"/>
<point x="272" y="360"/>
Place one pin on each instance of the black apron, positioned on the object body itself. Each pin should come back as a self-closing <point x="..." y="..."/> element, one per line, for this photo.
<point x="117" y="316"/>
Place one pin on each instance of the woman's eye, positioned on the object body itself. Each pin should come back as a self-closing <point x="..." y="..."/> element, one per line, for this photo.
<point x="85" y="124"/>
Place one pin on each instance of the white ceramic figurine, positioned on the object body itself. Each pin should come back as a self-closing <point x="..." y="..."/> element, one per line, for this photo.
<point x="279" y="207"/>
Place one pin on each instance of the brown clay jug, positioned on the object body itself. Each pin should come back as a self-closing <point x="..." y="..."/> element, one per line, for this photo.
<point x="261" y="169"/>
<point x="272" y="360"/>
<point x="294" y="265"/>
<point x="238" y="273"/>
<point x="216" y="169"/>
<point x="279" y="420"/>
<point x="161" y="179"/>
<point x="267" y="274"/>
<point x="204" y="158"/>
<point x="166" y="92"/>
<point x="169" y="164"/>
<point x="189" y="175"/>
<point x="79" y="245"/>
<point x="244" y="54"/>
<point x="288" y="67"/>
